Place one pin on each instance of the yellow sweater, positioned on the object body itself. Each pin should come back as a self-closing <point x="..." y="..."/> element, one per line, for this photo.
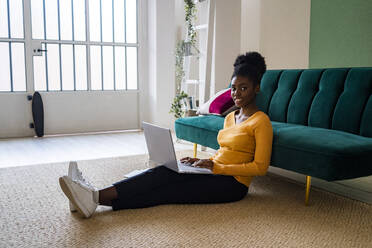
<point x="245" y="148"/>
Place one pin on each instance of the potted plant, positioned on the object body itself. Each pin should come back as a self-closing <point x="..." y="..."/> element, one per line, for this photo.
<point x="190" y="16"/>
<point x="177" y="104"/>
<point x="184" y="48"/>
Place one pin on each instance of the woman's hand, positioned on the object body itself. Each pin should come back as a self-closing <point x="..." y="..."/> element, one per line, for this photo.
<point x="189" y="160"/>
<point x="204" y="163"/>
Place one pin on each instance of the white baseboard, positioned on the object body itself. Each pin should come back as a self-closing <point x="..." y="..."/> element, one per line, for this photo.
<point x="333" y="187"/>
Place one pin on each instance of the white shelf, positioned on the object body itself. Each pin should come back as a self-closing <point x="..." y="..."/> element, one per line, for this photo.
<point x="201" y="27"/>
<point x="189" y="81"/>
<point x="198" y="1"/>
<point x="193" y="81"/>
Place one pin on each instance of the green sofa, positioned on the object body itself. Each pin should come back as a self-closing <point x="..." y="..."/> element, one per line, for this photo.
<point x="321" y="118"/>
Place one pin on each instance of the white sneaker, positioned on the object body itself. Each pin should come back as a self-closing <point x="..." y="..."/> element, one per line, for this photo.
<point x="83" y="196"/>
<point x="75" y="174"/>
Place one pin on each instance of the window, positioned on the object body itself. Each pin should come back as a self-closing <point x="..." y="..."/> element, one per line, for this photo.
<point x="86" y="44"/>
<point x="12" y="47"/>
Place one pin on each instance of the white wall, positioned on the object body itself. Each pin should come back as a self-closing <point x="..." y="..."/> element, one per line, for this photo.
<point x="180" y="19"/>
<point x="15" y="115"/>
<point x="161" y="43"/>
<point x="226" y="42"/>
<point x="279" y="30"/>
<point x="143" y="61"/>
<point x="251" y="25"/>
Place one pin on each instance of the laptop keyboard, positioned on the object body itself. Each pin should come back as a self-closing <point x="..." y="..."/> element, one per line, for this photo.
<point x="186" y="164"/>
<point x="187" y="167"/>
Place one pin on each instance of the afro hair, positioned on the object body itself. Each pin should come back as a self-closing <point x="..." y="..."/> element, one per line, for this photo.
<point x="251" y="65"/>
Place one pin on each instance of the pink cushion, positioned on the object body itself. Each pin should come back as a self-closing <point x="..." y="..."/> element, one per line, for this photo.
<point x="218" y="104"/>
<point x="221" y="103"/>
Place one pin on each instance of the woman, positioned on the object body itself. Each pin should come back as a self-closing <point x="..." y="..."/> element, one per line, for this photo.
<point x="245" y="151"/>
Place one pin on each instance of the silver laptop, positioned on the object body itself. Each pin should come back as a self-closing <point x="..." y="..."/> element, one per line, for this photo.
<point x="161" y="150"/>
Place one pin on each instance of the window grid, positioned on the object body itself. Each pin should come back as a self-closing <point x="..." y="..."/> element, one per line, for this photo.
<point x="59" y="46"/>
<point x="11" y="40"/>
<point x="100" y="26"/>
<point x="113" y="40"/>
<point x="125" y="40"/>
<point x="10" y="49"/>
<point x="46" y="48"/>
<point x="88" y="60"/>
<point x="11" y="67"/>
<point x="73" y="46"/>
<point x="8" y="11"/>
<point x="87" y="43"/>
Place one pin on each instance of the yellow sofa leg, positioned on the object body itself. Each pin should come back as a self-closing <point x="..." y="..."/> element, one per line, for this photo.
<point x="195" y="149"/>
<point x="308" y="183"/>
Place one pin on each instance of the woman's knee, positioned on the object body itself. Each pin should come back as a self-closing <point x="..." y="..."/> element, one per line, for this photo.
<point x="240" y="193"/>
<point x="159" y="170"/>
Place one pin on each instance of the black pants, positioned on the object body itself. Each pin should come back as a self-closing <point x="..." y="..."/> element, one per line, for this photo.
<point x="161" y="185"/>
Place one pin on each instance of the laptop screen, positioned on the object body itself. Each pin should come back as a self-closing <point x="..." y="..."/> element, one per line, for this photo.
<point x="159" y="143"/>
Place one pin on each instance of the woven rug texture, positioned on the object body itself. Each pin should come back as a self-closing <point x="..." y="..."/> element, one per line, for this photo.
<point x="34" y="213"/>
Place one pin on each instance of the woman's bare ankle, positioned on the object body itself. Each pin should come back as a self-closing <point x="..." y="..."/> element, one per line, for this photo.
<point x="106" y="195"/>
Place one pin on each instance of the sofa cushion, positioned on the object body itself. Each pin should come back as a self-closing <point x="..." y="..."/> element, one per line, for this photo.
<point x="351" y="103"/>
<point x="322" y="153"/>
<point x="268" y="86"/>
<point x="299" y="106"/>
<point x="202" y="130"/>
<point x="366" y="122"/>
<point x="330" y="88"/>
<point x="279" y="102"/>
<point x="278" y="126"/>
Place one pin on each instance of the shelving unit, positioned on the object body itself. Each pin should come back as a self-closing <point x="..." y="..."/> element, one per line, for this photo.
<point x="197" y="66"/>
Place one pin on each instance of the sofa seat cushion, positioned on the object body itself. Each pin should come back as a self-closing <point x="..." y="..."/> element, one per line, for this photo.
<point x="278" y="126"/>
<point x="202" y="130"/>
<point x="322" y="153"/>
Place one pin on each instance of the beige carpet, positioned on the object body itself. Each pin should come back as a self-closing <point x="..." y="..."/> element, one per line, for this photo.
<point x="34" y="213"/>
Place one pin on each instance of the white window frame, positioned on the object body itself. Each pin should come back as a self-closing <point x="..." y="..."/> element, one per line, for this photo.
<point x="28" y="49"/>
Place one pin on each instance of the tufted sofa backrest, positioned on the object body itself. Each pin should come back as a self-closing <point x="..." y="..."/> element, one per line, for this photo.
<point x="339" y="99"/>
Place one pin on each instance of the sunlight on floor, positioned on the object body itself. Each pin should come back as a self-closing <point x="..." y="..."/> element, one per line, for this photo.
<point x="51" y="149"/>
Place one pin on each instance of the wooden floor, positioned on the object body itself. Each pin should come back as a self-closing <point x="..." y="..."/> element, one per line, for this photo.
<point x="52" y="149"/>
